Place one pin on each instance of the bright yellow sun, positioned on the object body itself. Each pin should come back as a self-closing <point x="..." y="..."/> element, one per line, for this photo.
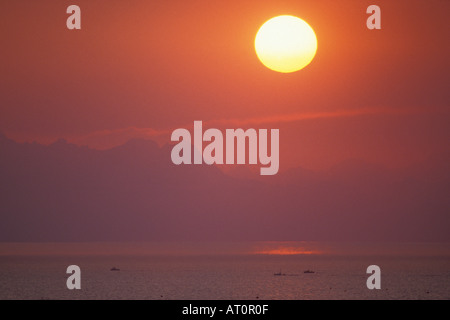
<point x="285" y="44"/>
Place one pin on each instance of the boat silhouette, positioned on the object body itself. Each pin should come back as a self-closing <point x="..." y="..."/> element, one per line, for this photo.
<point x="115" y="269"/>
<point x="308" y="271"/>
<point x="279" y="274"/>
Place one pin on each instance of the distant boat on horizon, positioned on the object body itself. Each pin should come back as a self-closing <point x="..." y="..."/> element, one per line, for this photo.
<point x="308" y="271"/>
<point x="279" y="274"/>
<point x="115" y="269"/>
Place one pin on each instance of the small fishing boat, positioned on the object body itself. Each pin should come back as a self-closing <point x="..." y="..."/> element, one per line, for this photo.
<point x="279" y="274"/>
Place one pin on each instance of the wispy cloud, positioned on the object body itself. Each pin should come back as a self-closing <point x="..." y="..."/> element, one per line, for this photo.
<point x="104" y="139"/>
<point x="293" y="117"/>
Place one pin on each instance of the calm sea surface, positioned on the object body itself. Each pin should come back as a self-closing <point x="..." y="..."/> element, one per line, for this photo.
<point x="245" y="271"/>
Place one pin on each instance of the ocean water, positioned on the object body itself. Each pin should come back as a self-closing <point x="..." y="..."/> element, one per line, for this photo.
<point x="40" y="273"/>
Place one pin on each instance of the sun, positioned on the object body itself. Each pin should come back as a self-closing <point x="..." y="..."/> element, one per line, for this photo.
<point x="285" y="44"/>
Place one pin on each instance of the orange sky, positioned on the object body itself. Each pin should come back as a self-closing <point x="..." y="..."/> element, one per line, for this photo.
<point x="144" y="68"/>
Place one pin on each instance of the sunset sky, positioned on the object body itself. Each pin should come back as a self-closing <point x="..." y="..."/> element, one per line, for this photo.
<point x="364" y="128"/>
<point x="143" y="68"/>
